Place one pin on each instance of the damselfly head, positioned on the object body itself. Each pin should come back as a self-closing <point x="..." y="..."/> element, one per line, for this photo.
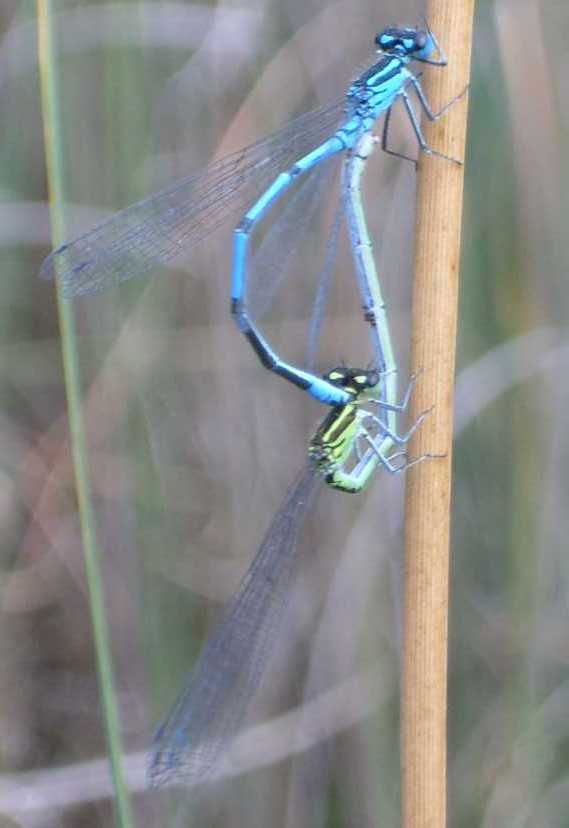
<point x="416" y="43"/>
<point x="354" y="379"/>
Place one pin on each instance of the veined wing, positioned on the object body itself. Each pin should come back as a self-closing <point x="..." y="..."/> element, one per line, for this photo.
<point x="272" y="258"/>
<point x="153" y="231"/>
<point x="208" y="712"/>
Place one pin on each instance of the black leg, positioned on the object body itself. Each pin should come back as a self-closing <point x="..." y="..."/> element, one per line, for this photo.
<point x="419" y="133"/>
<point x="434" y="116"/>
<point x="384" y="136"/>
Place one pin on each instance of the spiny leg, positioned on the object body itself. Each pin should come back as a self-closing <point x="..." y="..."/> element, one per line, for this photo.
<point x="387" y="461"/>
<point x="413" y="461"/>
<point x="384" y="137"/>
<point x="402" y="406"/>
<point x="400" y="439"/>
<point x="434" y="116"/>
<point x="419" y="133"/>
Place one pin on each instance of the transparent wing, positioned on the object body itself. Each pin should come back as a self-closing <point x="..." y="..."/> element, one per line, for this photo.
<point x="208" y="712"/>
<point x="325" y="282"/>
<point x="158" y="228"/>
<point x="270" y="264"/>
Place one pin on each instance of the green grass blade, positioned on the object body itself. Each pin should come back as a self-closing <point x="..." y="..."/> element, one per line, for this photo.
<point x="54" y="161"/>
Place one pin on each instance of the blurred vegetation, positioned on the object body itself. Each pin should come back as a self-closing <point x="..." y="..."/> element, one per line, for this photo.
<point x="191" y="446"/>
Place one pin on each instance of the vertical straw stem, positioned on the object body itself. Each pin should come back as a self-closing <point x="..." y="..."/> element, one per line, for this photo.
<point x="427" y="521"/>
<point x="51" y="97"/>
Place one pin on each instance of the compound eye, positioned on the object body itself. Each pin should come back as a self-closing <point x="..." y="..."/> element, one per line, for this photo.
<point x="373" y="378"/>
<point x="421" y="40"/>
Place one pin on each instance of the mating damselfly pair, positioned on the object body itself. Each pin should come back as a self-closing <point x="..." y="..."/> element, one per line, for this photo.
<point x="360" y="431"/>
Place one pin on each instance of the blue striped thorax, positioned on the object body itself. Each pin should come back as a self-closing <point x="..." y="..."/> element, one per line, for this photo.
<point x="376" y="88"/>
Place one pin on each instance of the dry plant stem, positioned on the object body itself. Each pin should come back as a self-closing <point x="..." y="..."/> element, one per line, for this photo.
<point x="435" y="299"/>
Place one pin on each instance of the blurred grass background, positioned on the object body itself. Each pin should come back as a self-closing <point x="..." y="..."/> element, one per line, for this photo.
<point x="191" y="446"/>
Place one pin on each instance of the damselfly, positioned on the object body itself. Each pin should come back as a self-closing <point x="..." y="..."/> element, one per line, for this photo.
<point x="159" y="228"/>
<point x="346" y="448"/>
